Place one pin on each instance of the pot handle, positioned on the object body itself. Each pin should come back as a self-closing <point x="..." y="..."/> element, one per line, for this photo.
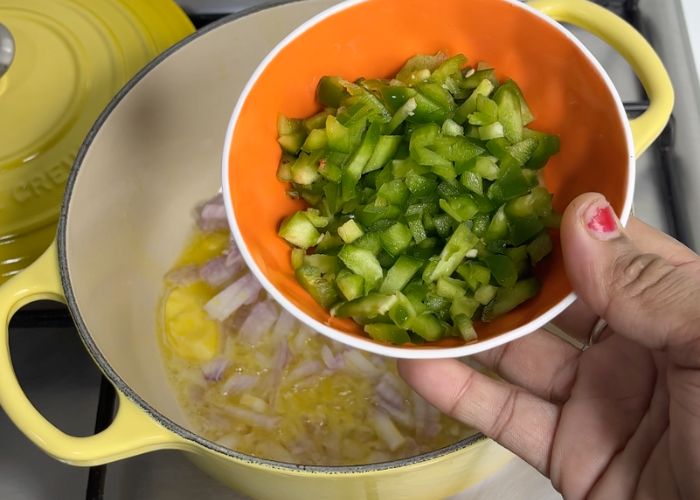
<point x="131" y="433"/>
<point x="637" y="52"/>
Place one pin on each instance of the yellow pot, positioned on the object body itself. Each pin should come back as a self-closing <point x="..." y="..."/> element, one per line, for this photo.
<point x="149" y="159"/>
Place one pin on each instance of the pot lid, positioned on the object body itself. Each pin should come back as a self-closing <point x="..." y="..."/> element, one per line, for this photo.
<point x="70" y="58"/>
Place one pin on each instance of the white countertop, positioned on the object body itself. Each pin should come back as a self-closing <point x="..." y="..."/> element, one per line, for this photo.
<point x="691" y="12"/>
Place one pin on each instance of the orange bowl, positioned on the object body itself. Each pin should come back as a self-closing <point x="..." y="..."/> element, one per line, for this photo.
<point x="567" y="89"/>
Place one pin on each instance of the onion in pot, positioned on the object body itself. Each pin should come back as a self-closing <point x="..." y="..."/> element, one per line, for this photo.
<point x="387" y="431"/>
<point x="211" y="215"/>
<point x="214" y="370"/>
<point x="185" y="275"/>
<point x="218" y="271"/>
<point x="234" y="296"/>
<point x="258" y="322"/>
<point x="238" y="383"/>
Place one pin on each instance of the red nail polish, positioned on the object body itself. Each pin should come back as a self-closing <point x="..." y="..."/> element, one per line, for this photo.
<point x="601" y="221"/>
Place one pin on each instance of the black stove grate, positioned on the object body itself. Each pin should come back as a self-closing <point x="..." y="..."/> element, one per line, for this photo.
<point x="60" y="318"/>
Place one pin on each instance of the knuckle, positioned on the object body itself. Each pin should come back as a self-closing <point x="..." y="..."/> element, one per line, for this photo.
<point x="504" y="415"/>
<point x="643" y="277"/>
<point x="461" y="396"/>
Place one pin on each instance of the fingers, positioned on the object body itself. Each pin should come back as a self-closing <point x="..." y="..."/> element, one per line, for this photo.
<point x="642" y="296"/>
<point x="518" y="420"/>
<point x="539" y="362"/>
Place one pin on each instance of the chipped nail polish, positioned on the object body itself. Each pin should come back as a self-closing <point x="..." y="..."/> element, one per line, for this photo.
<point x="601" y="221"/>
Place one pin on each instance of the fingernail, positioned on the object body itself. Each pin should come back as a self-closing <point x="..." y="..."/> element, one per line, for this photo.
<point x="600" y="221"/>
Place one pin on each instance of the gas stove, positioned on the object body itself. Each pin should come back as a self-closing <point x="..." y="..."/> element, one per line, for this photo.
<point x="59" y="376"/>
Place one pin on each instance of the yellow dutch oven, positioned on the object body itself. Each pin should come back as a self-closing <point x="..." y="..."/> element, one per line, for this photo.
<point x="148" y="160"/>
<point x="70" y="59"/>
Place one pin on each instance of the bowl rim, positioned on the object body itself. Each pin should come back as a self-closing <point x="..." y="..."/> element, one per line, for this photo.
<point x="195" y="442"/>
<point x="365" y="343"/>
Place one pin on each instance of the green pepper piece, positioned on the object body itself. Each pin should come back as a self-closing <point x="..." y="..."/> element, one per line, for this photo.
<point x="350" y="231"/>
<point x="509" y="113"/>
<point x="396" y="96"/>
<point x="510" y="185"/>
<point x="457" y="149"/>
<point x="539" y="248"/>
<point x="371" y="242"/>
<point x="537" y="202"/>
<point x="394" y="192"/>
<point x="473" y="80"/>
<point x="522" y="151"/>
<point x="522" y="230"/>
<point x="400" y="274"/>
<point x="437" y="94"/>
<point x="299" y="231"/>
<point x="428" y="327"/>
<point x="288" y="126"/>
<point x="484" y="166"/>
<point x="362" y="262"/>
<point x="415" y="225"/>
<point x="498" y="228"/>
<point x="425" y="249"/>
<point x="547" y="146"/>
<point x="439" y="306"/>
<point x="298" y="255"/>
<point x="291" y="143"/>
<point x="353" y="170"/>
<point x="507" y="299"/>
<point x="321" y="289"/>
<point x="326" y="264"/>
<point x="385" y="151"/>
<point x="492" y="131"/>
<point x="443" y="225"/>
<point x="368" y="307"/>
<point x="450" y="288"/>
<point x="499" y="148"/>
<point x="474" y="274"/>
<point x="485" y="294"/>
<point x="401" y="115"/>
<point x="417" y="64"/>
<point x="484" y="88"/>
<point x="465" y="327"/>
<point x="350" y="284"/>
<point x="451" y="128"/>
<point x="460" y="208"/>
<point x="486" y="112"/>
<point x="390" y="334"/>
<point x="331" y="90"/>
<point x="339" y="136"/>
<point x="369" y="215"/>
<point x="520" y="258"/>
<point x="502" y="269"/>
<point x="461" y="241"/>
<point x="329" y="244"/>
<point x="420" y="185"/>
<point x="472" y="182"/>
<point x="525" y="112"/>
<point x="316" y="218"/>
<point x="448" y="68"/>
<point x="317" y="139"/>
<point x="284" y="169"/>
<point x="403" y="311"/>
<point x="396" y="238"/>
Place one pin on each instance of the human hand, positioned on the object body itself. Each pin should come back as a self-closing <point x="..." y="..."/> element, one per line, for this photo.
<point x="620" y="419"/>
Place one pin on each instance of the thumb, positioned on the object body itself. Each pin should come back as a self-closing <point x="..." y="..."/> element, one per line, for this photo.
<point x="641" y="296"/>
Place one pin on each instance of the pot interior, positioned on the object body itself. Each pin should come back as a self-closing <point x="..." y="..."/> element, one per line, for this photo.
<point x="153" y="156"/>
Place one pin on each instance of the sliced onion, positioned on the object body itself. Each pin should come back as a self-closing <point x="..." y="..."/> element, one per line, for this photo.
<point x="401" y="416"/>
<point x="388" y="392"/>
<point x="285" y="326"/>
<point x="239" y="383"/>
<point x="232" y="253"/>
<point x="218" y="271"/>
<point x="254" y="403"/>
<point x="387" y="431"/>
<point x="215" y="369"/>
<point x="211" y="215"/>
<point x="251" y="417"/>
<point x="258" y="322"/>
<point x="359" y="363"/>
<point x="420" y="412"/>
<point x="331" y="361"/>
<point x="304" y="370"/>
<point x="185" y="275"/>
<point x="232" y="297"/>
